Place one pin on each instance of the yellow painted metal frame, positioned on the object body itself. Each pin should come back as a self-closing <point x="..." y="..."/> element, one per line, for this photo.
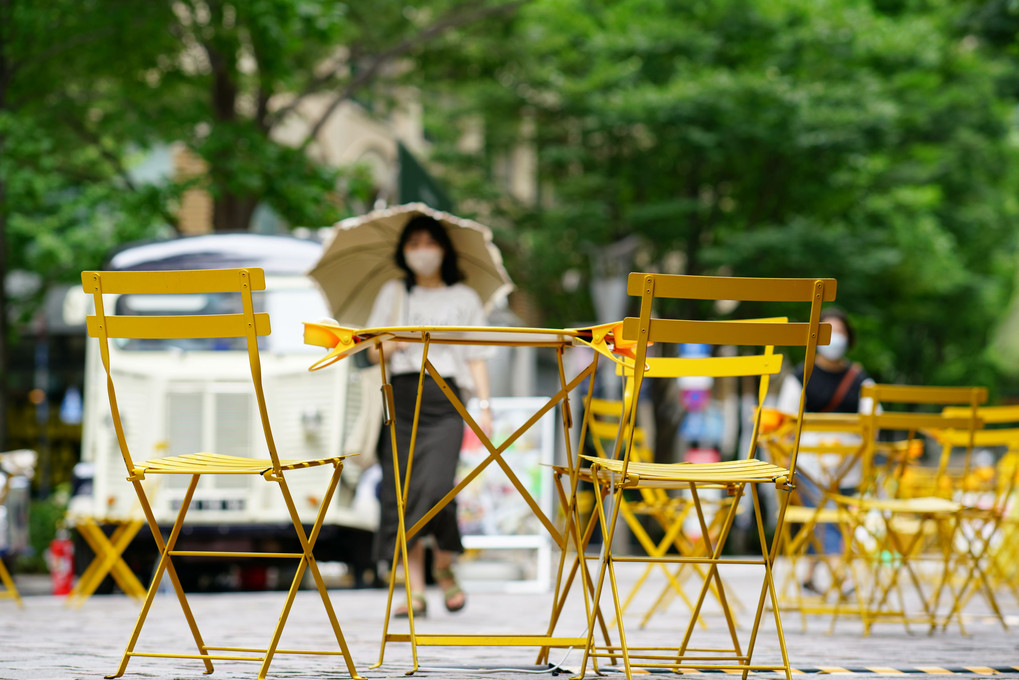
<point x="108" y="558"/>
<point x="1004" y="554"/>
<point x="9" y="591"/>
<point x="342" y="342"/>
<point x="888" y="538"/>
<point x="982" y="524"/>
<point x="614" y="477"/>
<point x="794" y="545"/>
<point x="247" y="325"/>
<point x="669" y="512"/>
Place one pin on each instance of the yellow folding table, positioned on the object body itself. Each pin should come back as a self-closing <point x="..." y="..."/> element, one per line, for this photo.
<point x="108" y="557"/>
<point x="344" y="341"/>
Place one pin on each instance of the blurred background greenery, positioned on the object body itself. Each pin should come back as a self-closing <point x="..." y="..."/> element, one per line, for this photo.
<point x="873" y="141"/>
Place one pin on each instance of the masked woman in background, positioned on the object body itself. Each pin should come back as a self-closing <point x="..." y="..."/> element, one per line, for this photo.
<point x="834" y="387"/>
<point x="430" y="294"/>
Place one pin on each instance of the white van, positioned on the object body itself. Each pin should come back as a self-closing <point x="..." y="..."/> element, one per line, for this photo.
<point x="195" y="395"/>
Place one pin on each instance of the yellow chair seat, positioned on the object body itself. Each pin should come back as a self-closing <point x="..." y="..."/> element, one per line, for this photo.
<point x="924" y="505"/>
<point x="728" y="472"/>
<point x="801" y="514"/>
<point x="217" y="463"/>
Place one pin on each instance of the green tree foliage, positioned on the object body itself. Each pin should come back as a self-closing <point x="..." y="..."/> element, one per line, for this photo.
<point x="91" y="88"/>
<point x="65" y="195"/>
<point x="230" y="80"/>
<point x="861" y="140"/>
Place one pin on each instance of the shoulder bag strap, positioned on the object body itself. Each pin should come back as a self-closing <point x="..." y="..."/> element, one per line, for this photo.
<point x="844" y="385"/>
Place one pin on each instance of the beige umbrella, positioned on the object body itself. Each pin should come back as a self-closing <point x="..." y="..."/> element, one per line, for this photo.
<point x="359" y="259"/>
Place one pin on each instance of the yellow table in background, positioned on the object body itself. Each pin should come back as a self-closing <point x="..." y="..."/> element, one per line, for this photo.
<point x="109" y="551"/>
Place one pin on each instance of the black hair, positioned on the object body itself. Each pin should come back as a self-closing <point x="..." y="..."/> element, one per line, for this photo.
<point x="450" y="270"/>
<point x="838" y="313"/>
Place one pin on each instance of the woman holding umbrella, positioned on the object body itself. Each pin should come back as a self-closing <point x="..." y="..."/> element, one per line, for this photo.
<point x="430" y="294"/>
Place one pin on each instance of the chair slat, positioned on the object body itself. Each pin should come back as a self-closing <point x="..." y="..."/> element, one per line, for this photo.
<point x="727" y="332"/>
<point x="731" y="288"/>
<point x="1006" y="436"/>
<point x="713" y="367"/>
<point x="919" y="421"/>
<point x="178" y="281"/>
<point x="922" y="394"/>
<point x="162" y="327"/>
<point x="988" y="414"/>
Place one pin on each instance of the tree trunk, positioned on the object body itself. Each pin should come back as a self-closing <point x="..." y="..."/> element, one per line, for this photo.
<point x="5" y="78"/>
<point x="3" y="311"/>
<point x="233" y="213"/>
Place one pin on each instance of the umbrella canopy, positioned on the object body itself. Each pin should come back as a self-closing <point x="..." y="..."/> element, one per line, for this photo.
<point x="359" y="259"/>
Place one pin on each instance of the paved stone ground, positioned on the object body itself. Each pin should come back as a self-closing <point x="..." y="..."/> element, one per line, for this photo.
<point x="47" y="640"/>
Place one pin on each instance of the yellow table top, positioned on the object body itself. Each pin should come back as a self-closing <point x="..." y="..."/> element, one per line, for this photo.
<point x="343" y="341"/>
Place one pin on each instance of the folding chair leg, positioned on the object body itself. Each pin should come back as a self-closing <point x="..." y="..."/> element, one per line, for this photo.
<point x="307" y="561"/>
<point x="769" y="553"/>
<point x="977" y="578"/>
<point x="12" y="591"/>
<point x="164" y="565"/>
<point x="605" y="568"/>
<point x="564" y="585"/>
<point x="713" y="580"/>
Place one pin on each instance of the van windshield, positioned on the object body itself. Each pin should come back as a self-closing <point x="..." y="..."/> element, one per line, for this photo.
<point x="287" y="308"/>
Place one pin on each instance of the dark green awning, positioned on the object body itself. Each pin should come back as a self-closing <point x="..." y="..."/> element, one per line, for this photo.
<point x="415" y="184"/>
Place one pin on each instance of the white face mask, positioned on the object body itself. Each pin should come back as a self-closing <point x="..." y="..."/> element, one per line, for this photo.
<point x="423" y="261"/>
<point x="836" y="349"/>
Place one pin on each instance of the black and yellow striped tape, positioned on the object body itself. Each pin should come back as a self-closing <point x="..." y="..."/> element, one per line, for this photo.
<point x="850" y="670"/>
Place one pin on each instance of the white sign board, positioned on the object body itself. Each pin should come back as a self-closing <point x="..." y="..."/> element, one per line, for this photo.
<point x="508" y="547"/>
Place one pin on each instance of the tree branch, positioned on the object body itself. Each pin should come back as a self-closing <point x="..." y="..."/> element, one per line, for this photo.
<point x="117" y="163"/>
<point x="456" y="18"/>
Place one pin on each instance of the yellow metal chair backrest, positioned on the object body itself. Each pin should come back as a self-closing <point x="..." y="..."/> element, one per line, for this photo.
<point x="603" y="426"/>
<point x="764" y="365"/>
<point x="604" y="417"/>
<point x="246" y="324"/>
<point x="1000" y="429"/>
<point x="915" y="423"/>
<point x="762" y="333"/>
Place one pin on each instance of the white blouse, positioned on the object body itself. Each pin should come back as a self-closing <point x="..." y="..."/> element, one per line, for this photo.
<point x="456" y="305"/>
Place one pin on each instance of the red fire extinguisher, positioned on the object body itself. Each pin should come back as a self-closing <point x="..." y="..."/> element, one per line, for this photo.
<point x="61" y="562"/>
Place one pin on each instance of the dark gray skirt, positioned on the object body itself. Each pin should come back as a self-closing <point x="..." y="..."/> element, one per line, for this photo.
<point x="436" y="452"/>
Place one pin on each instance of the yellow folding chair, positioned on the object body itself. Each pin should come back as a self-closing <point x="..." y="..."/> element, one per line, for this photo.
<point x="740" y="478"/>
<point x="667" y="512"/>
<point x="984" y="496"/>
<point x="898" y="541"/>
<point x="823" y="435"/>
<point x="1004" y="553"/>
<point x="248" y="325"/>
